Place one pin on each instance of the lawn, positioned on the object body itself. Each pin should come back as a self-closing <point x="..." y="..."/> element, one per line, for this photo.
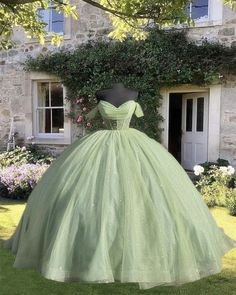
<point x="26" y="282"/>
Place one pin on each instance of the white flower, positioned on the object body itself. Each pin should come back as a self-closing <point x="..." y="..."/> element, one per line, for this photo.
<point x="230" y="170"/>
<point x="223" y="170"/>
<point x="198" y="169"/>
<point x="23" y="148"/>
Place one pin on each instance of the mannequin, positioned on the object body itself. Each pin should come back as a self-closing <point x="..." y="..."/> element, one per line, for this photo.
<point x="117" y="95"/>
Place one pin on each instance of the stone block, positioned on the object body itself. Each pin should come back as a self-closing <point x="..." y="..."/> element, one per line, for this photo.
<point x="227" y="31"/>
<point x="12" y="52"/>
<point x="93" y="17"/>
<point x="80" y="36"/>
<point x="97" y="24"/>
<point x="4" y="113"/>
<point x="82" y="26"/>
<point x="88" y="9"/>
<point x="232" y="119"/>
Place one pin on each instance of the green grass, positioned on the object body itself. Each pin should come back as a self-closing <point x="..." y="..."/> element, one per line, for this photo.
<point x="27" y="282"/>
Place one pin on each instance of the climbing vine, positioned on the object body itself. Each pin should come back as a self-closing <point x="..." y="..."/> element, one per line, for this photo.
<point x="165" y="58"/>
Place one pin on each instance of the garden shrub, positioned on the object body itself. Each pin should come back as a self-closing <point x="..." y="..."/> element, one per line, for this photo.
<point x="215" y="184"/>
<point x="231" y="202"/>
<point x="24" y="155"/>
<point x="215" y="194"/>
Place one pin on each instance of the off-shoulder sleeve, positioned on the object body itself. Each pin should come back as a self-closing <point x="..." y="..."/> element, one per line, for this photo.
<point x="91" y="114"/>
<point x="138" y="110"/>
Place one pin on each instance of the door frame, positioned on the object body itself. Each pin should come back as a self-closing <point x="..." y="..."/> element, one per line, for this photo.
<point x="214" y="115"/>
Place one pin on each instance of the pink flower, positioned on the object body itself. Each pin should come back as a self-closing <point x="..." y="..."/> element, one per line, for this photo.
<point x="84" y="109"/>
<point x="79" y="119"/>
<point x="79" y="100"/>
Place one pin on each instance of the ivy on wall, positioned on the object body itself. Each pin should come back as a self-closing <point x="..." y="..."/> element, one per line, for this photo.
<point x="163" y="59"/>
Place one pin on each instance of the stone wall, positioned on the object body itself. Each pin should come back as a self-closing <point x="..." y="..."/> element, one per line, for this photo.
<point x="12" y="102"/>
<point x="15" y="84"/>
<point x="224" y="33"/>
<point x="228" y="121"/>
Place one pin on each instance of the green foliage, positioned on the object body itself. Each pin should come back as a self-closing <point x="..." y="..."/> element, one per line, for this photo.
<point x="231" y="202"/>
<point x="133" y="17"/>
<point x="128" y="17"/>
<point x="19" y="156"/>
<point x="230" y="3"/>
<point x="163" y="59"/>
<point x="215" y="194"/>
<point x="13" y="14"/>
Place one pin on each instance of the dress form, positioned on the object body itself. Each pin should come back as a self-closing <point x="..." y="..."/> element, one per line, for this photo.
<point x="117" y="95"/>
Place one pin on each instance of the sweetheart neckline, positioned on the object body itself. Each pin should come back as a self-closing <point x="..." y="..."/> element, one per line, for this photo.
<point x="101" y="100"/>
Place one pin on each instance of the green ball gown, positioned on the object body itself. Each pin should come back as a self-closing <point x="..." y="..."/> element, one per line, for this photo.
<point x="117" y="206"/>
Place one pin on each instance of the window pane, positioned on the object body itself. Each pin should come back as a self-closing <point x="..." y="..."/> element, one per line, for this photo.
<point x="200" y="113"/>
<point x="44" y="16"/>
<point x="189" y="114"/>
<point x="44" y="117"/>
<point x="199" y="9"/>
<point x="57" y="120"/>
<point x="54" y="21"/>
<point x="56" y="95"/>
<point x="43" y="94"/>
<point x="57" y="22"/>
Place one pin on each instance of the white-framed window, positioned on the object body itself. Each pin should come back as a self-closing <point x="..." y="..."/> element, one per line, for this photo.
<point x="50" y="123"/>
<point x="52" y="18"/>
<point x="50" y="108"/>
<point x="205" y="13"/>
<point x="199" y="10"/>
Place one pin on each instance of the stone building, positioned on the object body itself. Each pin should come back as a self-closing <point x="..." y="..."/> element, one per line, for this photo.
<point x="199" y="123"/>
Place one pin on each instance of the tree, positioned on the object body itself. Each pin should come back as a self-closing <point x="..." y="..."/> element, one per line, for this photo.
<point x="23" y="13"/>
<point x="128" y="17"/>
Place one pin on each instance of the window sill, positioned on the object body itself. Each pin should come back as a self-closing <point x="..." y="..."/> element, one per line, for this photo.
<point x="207" y="23"/>
<point x="52" y="141"/>
<point x="200" y="24"/>
<point x="47" y="39"/>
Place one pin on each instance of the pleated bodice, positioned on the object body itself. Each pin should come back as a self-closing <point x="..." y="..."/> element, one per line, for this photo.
<point x="116" y="118"/>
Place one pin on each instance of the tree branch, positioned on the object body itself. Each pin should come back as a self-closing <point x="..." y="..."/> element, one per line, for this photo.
<point x="145" y="14"/>
<point x="137" y="15"/>
<point x="17" y="2"/>
<point x="91" y="2"/>
<point x="22" y="2"/>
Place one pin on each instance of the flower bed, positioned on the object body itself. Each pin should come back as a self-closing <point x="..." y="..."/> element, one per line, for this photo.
<point x="20" y="170"/>
<point x="217" y="185"/>
<point x="18" y="181"/>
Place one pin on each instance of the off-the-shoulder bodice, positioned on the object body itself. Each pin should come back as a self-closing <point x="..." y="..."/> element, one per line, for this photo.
<point x="116" y="118"/>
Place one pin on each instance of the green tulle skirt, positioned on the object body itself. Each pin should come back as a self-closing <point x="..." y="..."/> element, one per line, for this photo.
<point x="117" y="206"/>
